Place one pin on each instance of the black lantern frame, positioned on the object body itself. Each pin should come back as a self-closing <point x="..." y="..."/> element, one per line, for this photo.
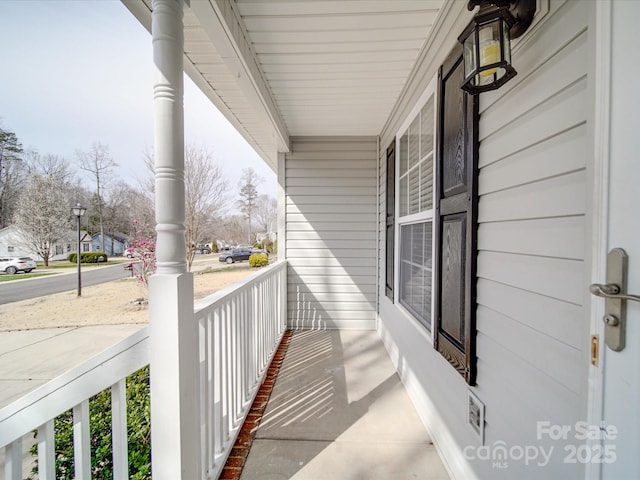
<point x="486" y="42"/>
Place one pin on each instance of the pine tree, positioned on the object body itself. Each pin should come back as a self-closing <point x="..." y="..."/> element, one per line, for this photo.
<point x="248" y="196"/>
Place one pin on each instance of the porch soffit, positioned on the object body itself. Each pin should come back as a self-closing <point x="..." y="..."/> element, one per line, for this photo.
<point x="276" y="68"/>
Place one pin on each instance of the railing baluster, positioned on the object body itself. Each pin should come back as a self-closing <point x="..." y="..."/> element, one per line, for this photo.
<point x="119" y="430"/>
<point x="210" y="420"/>
<point x="202" y="385"/>
<point x="226" y="374"/>
<point x="81" y="441"/>
<point x="233" y="324"/>
<point x="46" y="452"/>
<point x="13" y="461"/>
<point x="216" y="353"/>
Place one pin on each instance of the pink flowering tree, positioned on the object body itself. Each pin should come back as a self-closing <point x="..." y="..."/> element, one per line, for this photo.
<point x="144" y="252"/>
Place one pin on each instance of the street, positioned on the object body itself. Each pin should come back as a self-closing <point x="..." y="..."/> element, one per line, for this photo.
<point x="22" y="290"/>
<point x="36" y="287"/>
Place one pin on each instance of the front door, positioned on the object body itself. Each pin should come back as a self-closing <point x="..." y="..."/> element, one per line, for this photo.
<point x="621" y="386"/>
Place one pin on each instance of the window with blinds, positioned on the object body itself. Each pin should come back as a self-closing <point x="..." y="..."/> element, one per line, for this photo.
<point x="415" y="154"/>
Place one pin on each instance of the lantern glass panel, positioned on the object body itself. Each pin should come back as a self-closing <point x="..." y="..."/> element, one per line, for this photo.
<point x="506" y="41"/>
<point x="489" y="35"/>
<point x="470" y="54"/>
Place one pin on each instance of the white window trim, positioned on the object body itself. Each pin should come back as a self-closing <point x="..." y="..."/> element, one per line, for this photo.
<point x="430" y="91"/>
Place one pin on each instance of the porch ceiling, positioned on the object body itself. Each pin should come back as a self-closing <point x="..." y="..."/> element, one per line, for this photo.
<point x="276" y="68"/>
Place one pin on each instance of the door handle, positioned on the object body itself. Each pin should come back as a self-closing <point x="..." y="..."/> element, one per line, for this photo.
<point x="611" y="290"/>
<point x="615" y="306"/>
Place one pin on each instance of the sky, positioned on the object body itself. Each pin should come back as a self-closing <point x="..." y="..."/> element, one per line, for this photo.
<point x="75" y="72"/>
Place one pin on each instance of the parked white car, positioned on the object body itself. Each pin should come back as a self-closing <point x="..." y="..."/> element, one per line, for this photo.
<point x="18" y="264"/>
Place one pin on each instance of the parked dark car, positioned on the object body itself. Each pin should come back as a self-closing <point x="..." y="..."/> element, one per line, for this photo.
<point x="203" y="248"/>
<point x="235" y="255"/>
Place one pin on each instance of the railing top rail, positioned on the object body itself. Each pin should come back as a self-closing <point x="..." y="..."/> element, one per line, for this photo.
<point x="27" y="413"/>
<point x="211" y="300"/>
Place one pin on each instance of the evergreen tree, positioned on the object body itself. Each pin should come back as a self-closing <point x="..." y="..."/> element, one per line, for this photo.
<point x="249" y="196"/>
<point x="11" y="174"/>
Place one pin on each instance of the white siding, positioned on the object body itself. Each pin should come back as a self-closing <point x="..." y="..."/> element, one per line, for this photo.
<point x="533" y="239"/>
<point x="331" y="232"/>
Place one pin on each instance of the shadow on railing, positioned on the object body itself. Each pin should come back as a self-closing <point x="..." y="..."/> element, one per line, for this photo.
<point x="239" y="331"/>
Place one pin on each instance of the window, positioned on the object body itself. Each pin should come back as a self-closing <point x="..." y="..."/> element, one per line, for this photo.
<point x="68" y="247"/>
<point x="59" y="250"/>
<point x="11" y="249"/>
<point x="85" y="247"/>
<point x="416" y="209"/>
<point x="436" y="205"/>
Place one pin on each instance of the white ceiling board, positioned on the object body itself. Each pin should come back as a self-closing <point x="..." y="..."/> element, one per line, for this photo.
<point x="305" y="67"/>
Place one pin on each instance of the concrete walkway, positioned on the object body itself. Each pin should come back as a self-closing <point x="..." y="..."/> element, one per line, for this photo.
<point x="30" y="358"/>
<point x="339" y="411"/>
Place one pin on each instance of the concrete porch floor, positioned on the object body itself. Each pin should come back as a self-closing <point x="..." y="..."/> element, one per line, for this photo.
<point x="339" y="411"/>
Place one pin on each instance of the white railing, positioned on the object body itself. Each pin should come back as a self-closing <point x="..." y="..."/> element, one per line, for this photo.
<point x="240" y="330"/>
<point x="72" y="390"/>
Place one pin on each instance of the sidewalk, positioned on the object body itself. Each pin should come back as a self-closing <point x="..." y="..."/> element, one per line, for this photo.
<point x="30" y="358"/>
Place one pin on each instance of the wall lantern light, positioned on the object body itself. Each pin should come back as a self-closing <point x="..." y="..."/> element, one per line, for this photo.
<point x="487" y="42"/>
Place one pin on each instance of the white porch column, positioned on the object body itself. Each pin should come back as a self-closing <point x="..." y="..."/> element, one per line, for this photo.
<point x="175" y="399"/>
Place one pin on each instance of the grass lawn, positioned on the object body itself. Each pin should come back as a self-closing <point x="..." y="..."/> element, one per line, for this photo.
<point x="67" y="264"/>
<point x="208" y="270"/>
<point x="22" y="276"/>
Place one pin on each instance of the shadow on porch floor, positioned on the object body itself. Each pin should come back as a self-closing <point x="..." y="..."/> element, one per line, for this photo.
<point x="339" y="411"/>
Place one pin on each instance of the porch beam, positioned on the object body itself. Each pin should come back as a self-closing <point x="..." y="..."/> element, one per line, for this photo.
<point x="226" y="30"/>
<point x="175" y="399"/>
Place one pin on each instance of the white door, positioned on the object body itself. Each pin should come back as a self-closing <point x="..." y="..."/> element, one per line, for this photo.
<point x="621" y="390"/>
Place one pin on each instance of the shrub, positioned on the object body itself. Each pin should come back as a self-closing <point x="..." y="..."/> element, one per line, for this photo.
<point x="258" y="260"/>
<point x="139" y="434"/>
<point x="89" y="257"/>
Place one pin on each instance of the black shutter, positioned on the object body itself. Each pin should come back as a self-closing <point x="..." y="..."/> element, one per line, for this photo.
<point x="391" y="216"/>
<point x="456" y="219"/>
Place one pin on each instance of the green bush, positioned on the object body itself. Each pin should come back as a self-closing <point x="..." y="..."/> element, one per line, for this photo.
<point x="89" y="257"/>
<point x="258" y="260"/>
<point x="139" y="434"/>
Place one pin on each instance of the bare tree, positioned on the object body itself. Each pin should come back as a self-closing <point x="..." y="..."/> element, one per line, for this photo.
<point x="99" y="163"/>
<point x="117" y="213"/>
<point x="249" y="195"/>
<point x="266" y="213"/>
<point x="49" y="165"/>
<point x="42" y="214"/>
<point x="232" y="229"/>
<point x="206" y="194"/>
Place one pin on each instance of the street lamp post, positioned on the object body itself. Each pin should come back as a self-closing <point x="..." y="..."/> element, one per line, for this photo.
<point x="78" y="211"/>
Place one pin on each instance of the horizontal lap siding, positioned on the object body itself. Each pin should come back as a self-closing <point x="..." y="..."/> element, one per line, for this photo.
<point x="331" y="221"/>
<point x="535" y="158"/>
<point x="534" y="153"/>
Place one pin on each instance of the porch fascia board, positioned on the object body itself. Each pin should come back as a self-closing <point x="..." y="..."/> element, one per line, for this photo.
<point x="227" y="32"/>
<point x="216" y="16"/>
